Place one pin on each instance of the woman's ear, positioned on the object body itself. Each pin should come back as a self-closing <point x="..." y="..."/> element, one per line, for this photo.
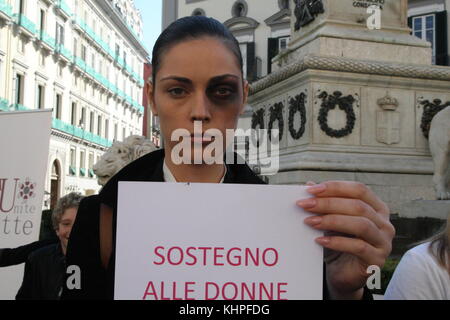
<point x="151" y="97"/>
<point x="245" y="96"/>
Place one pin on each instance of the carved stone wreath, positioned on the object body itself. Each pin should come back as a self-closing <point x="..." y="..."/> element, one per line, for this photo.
<point x="297" y="104"/>
<point x="276" y="113"/>
<point x="329" y="102"/>
<point x="258" y="119"/>
<point x="430" y="109"/>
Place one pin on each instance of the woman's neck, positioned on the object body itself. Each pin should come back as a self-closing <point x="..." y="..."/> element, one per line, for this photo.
<point x="196" y="172"/>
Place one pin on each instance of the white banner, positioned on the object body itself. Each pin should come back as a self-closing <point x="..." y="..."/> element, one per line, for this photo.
<point x="179" y="241"/>
<point x="24" y="147"/>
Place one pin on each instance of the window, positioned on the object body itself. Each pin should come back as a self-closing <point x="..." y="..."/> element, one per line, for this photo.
<point x="124" y="57"/>
<point x="239" y="9"/>
<point x="283" y="43"/>
<point x="18" y="95"/>
<point x="42" y="20"/>
<point x="82" y="163"/>
<point x="20" y="6"/>
<point x="75" y="47"/>
<point x="83" y="118"/>
<point x="93" y="60"/>
<point x="74" y="114"/>
<point x="123" y="134"/>
<point x="91" y="165"/>
<point x="59" y="34"/>
<point x="58" y="106"/>
<point x="115" y="131"/>
<point x="106" y="129"/>
<point x="73" y="159"/>
<point x="40" y="97"/>
<point x="424" y="28"/>
<point x="91" y="122"/>
<point x="99" y="127"/>
<point x="117" y="51"/>
<point x="198" y="12"/>
<point x="83" y="52"/>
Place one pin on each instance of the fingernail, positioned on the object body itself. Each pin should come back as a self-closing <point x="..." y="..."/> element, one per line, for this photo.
<point x="317" y="188"/>
<point x="307" y="204"/>
<point x="312" y="221"/>
<point x="310" y="183"/>
<point x="323" y="240"/>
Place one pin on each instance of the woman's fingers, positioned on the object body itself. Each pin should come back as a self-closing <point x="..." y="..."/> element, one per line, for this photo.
<point x="349" y="207"/>
<point x="357" y="247"/>
<point x="349" y="189"/>
<point x="359" y="227"/>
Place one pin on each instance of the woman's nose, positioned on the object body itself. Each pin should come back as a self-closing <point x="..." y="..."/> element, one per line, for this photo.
<point x="200" y="108"/>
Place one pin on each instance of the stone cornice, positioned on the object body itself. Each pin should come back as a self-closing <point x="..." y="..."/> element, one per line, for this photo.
<point x="340" y="64"/>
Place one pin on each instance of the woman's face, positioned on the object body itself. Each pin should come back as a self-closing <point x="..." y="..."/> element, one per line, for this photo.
<point x="198" y="80"/>
<point x="65" y="226"/>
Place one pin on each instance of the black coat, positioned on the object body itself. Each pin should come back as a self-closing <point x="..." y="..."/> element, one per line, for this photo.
<point x="84" y="245"/>
<point x="44" y="274"/>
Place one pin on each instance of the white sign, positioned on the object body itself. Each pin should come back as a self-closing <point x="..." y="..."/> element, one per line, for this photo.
<point x="178" y="241"/>
<point x="24" y="145"/>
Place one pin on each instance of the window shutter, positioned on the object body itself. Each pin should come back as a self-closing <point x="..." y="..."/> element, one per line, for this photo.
<point x="251" y="61"/>
<point x="442" y="56"/>
<point x="272" y="52"/>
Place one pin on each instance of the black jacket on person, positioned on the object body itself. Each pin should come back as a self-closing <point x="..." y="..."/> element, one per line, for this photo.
<point x="14" y="256"/>
<point x="84" y="246"/>
<point x="44" y="274"/>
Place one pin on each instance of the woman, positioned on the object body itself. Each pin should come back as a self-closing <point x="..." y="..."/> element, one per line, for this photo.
<point x="424" y="271"/>
<point x="45" y="268"/>
<point x="197" y="77"/>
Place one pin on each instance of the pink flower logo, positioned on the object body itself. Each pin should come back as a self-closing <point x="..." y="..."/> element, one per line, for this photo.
<point x="27" y="190"/>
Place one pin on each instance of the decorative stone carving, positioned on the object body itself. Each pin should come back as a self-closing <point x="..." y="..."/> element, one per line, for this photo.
<point x="439" y="140"/>
<point x="297" y="104"/>
<point x="430" y="109"/>
<point x="351" y="65"/>
<point x="306" y="11"/>
<point x="258" y="119"/>
<point x="276" y="114"/>
<point x="388" y="121"/>
<point x="119" y="155"/>
<point x="329" y="102"/>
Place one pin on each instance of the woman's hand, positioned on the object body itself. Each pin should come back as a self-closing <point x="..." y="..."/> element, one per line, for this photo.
<point x="358" y="233"/>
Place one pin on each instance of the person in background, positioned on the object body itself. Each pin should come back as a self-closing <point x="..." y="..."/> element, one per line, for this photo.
<point x="45" y="268"/>
<point x="424" y="271"/>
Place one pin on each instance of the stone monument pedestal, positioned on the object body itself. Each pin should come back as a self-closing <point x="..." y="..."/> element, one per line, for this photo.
<point x="353" y="103"/>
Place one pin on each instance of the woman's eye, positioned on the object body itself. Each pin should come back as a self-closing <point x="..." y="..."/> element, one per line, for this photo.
<point x="223" y="92"/>
<point x="177" y="92"/>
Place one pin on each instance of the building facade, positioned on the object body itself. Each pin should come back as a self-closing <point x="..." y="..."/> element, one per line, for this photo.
<point x="261" y="27"/>
<point x="428" y="20"/>
<point x="85" y="60"/>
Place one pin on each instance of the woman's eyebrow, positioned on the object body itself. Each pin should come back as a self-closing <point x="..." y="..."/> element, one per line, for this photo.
<point x="180" y="79"/>
<point x="223" y="77"/>
<point x="188" y="81"/>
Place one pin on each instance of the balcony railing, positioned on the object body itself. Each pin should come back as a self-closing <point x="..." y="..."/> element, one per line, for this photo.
<point x="62" y="5"/>
<point x="44" y="37"/>
<point x="4" y="104"/>
<point x="59" y="48"/>
<point x="5" y="8"/>
<point x="79" y="133"/>
<point x="24" y="22"/>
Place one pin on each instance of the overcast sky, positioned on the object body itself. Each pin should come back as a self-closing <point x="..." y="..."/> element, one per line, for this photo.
<point x="151" y="11"/>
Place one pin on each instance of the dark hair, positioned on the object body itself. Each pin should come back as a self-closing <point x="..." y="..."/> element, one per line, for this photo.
<point x="189" y="28"/>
